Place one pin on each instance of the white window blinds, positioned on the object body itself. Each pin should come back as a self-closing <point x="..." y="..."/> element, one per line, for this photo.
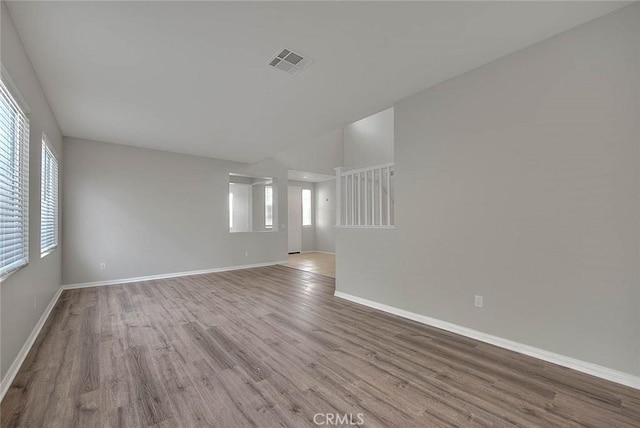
<point x="14" y="184"/>
<point x="48" y="199"/>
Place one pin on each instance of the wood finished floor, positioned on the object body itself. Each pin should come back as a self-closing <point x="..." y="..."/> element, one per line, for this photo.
<point x="320" y="263"/>
<point x="272" y="347"/>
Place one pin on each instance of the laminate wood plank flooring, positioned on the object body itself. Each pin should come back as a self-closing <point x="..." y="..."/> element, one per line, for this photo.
<point x="320" y="263"/>
<point x="272" y="346"/>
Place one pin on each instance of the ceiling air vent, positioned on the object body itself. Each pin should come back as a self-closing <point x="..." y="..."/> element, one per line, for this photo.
<point x="290" y="62"/>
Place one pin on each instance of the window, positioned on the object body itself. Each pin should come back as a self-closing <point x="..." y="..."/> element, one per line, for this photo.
<point x="14" y="184"/>
<point x="268" y="206"/>
<point x="48" y="200"/>
<point x="306" y="207"/>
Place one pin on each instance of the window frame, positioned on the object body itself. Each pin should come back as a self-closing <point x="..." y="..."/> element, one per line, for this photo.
<point x="47" y="152"/>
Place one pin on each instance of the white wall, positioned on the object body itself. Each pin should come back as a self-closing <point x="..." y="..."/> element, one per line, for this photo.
<point x="519" y="181"/>
<point x="320" y="155"/>
<point x="369" y="142"/>
<point x="325" y="216"/>
<point x="40" y="279"/>
<point x="147" y="212"/>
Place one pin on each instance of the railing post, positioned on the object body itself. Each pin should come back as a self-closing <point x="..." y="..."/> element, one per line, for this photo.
<point x="366" y="198"/>
<point x="388" y="196"/>
<point x="380" y="198"/>
<point x="339" y="172"/>
<point x="359" y="193"/>
<point x="373" y="197"/>
<point x="353" y="199"/>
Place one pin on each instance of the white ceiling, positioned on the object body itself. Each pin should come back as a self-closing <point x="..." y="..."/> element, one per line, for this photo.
<point x="193" y="77"/>
<point x="310" y="177"/>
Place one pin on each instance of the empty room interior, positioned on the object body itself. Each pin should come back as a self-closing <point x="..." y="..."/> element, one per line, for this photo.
<point x="303" y="214"/>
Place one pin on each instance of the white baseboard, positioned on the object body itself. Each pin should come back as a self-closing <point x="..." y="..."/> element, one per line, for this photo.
<point x="315" y="251"/>
<point x="165" y="275"/>
<point x="17" y="362"/>
<point x="561" y="360"/>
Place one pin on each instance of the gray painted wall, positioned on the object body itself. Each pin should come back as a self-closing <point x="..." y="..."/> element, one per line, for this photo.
<point x="325" y="210"/>
<point x="321" y="154"/>
<point x="369" y="142"/>
<point x="147" y="212"/>
<point x="308" y="232"/>
<point x="519" y="181"/>
<point x="40" y="279"/>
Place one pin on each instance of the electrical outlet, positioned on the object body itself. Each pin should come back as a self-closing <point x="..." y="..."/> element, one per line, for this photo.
<point x="103" y="266"/>
<point x="246" y="254"/>
<point x="478" y="301"/>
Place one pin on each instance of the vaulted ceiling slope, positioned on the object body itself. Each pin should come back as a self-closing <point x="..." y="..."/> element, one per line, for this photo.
<point x="193" y="77"/>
